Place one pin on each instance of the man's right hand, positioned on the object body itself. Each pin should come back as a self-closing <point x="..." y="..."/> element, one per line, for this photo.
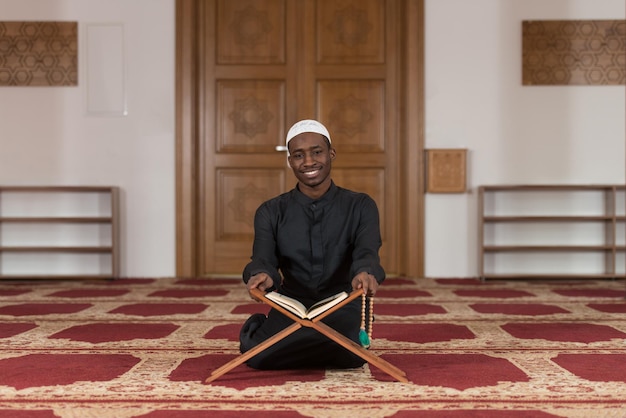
<point x="261" y="281"/>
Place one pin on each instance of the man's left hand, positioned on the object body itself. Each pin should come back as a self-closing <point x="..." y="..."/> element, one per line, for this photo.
<point x="365" y="281"/>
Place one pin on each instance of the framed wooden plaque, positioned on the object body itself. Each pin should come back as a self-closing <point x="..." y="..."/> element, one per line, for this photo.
<point x="446" y="170"/>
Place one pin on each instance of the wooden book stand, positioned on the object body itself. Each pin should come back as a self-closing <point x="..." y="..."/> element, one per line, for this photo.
<point x="314" y="323"/>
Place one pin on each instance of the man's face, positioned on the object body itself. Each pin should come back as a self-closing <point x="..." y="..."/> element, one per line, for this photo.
<point x="310" y="159"/>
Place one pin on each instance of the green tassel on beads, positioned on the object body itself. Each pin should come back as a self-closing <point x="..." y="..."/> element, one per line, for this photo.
<point x="364" y="338"/>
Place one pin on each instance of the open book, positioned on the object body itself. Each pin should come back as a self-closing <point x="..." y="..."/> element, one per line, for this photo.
<point x="299" y="309"/>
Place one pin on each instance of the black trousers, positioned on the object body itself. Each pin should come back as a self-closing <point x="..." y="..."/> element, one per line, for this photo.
<point x="305" y="348"/>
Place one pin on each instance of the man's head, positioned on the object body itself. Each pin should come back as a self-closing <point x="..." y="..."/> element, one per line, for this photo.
<point x="307" y="125"/>
<point x="310" y="154"/>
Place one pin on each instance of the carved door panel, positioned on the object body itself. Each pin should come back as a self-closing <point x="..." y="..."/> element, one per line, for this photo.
<point x="268" y="63"/>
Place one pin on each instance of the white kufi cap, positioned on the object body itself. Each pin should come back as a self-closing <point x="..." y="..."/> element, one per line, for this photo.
<point x="307" y="125"/>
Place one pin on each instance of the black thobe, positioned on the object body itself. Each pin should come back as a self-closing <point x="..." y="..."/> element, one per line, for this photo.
<point x="312" y="249"/>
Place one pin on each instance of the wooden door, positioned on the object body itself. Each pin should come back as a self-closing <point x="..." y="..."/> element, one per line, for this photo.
<point x="265" y="64"/>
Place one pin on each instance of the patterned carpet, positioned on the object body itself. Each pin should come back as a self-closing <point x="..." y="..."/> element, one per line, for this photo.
<point x="142" y="348"/>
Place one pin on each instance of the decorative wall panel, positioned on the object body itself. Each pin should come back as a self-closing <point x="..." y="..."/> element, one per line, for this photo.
<point x="446" y="170"/>
<point x="575" y="52"/>
<point x="240" y="193"/>
<point x="38" y="54"/>
<point x="353" y="112"/>
<point x="251" y="32"/>
<point x="351" y="32"/>
<point x="250" y="115"/>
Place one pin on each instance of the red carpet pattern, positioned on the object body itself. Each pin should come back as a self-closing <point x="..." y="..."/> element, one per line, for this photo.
<point x="143" y="347"/>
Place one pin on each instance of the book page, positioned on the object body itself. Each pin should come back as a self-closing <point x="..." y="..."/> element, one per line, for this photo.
<point x="288" y="303"/>
<point x="299" y="309"/>
<point x="325" y="304"/>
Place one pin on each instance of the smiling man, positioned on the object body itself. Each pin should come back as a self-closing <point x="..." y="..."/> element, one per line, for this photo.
<point x="310" y="243"/>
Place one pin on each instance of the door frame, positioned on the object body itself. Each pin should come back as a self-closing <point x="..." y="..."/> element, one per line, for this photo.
<point x="189" y="179"/>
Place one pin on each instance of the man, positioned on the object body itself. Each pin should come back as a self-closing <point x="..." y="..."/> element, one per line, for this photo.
<point x="310" y="243"/>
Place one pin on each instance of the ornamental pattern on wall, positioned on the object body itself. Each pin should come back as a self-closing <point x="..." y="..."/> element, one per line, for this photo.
<point x="38" y="53"/>
<point x="574" y="52"/>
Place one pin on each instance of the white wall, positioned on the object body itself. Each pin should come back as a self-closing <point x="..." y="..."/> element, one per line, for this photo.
<point x="474" y="100"/>
<point x="515" y="134"/>
<point x="47" y="137"/>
